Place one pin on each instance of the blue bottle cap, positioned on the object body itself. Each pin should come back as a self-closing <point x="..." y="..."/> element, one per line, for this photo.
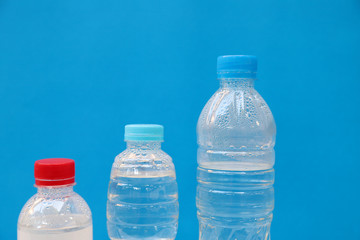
<point x="236" y="66"/>
<point x="144" y="132"/>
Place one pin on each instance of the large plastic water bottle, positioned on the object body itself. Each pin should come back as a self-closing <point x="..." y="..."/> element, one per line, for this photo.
<point x="143" y="195"/>
<point x="55" y="212"/>
<point x="236" y="136"/>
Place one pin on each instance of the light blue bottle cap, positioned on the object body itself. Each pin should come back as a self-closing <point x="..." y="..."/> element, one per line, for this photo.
<point x="236" y="66"/>
<point x="144" y="132"/>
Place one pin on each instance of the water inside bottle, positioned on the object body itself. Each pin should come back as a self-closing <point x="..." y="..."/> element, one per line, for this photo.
<point x="65" y="233"/>
<point x="235" y="203"/>
<point x="143" y="207"/>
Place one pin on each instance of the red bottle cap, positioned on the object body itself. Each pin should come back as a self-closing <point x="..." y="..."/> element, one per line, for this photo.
<point x="54" y="172"/>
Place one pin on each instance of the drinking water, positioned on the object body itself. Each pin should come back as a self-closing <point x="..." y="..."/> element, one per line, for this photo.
<point x="143" y="195"/>
<point x="236" y="137"/>
<point x="76" y="233"/>
<point x="148" y="206"/>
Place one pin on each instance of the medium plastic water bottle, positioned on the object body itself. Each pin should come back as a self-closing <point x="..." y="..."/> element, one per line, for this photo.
<point x="236" y="138"/>
<point x="56" y="212"/>
<point x="143" y="195"/>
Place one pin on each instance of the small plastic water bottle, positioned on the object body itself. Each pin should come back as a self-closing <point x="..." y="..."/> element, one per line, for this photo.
<point x="143" y="195"/>
<point x="55" y="212"/>
<point x="236" y="138"/>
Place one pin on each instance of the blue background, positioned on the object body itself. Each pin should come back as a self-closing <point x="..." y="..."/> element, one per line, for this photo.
<point x="73" y="73"/>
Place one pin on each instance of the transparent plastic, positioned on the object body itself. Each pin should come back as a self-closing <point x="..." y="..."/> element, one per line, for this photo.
<point x="236" y="138"/>
<point x="143" y="195"/>
<point x="55" y="213"/>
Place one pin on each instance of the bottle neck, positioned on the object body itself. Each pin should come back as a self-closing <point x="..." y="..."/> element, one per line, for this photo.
<point x="235" y="83"/>
<point x="143" y="145"/>
<point x="56" y="190"/>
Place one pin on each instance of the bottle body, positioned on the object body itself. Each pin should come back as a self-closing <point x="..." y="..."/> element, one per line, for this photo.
<point x="236" y="136"/>
<point x="55" y="213"/>
<point x="143" y="195"/>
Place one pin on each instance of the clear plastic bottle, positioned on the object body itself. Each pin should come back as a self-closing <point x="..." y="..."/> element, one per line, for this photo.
<point x="55" y="212"/>
<point x="143" y="195"/>
<point x="236" y="138"/>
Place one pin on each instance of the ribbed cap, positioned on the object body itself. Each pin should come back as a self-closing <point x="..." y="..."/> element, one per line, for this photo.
<point x="54" y="172"/>
<point x="237" y="66"/>
<point x="144" y="132"/>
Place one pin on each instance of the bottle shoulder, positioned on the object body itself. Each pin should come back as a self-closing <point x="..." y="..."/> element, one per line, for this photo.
<point x="238" y="117"/>
<point x="143" y="155"/>
<point x="47" y="211"/>
<point x="136" y="162"/>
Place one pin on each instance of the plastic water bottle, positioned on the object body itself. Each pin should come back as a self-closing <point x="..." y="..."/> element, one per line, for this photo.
<point x="236" y="138"/>
<point x="143" y="195"/>
<point x="55" y="212"/>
